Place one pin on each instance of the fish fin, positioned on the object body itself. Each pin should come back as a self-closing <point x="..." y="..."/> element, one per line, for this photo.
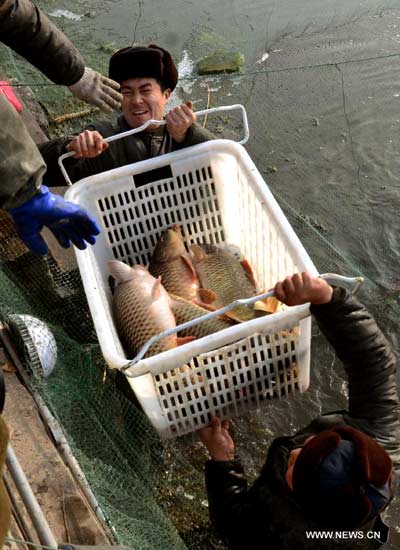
<point x="248" y="269"/>
<point x="197" y="252"/>
<point x="208" y="307"/>
<point x="181" y="340"/>
<point x="224" y="317"/>
<point x="268" y="305"/>
<point x="156" y="290"/>
<point x="189" y="265"/>
<point x="120" y="271"/>
<point x="232" y="317"/>
<point x="207" y="295"/>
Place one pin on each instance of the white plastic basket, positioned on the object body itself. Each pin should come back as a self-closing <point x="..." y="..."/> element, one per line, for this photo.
<point x="215" y="193"/>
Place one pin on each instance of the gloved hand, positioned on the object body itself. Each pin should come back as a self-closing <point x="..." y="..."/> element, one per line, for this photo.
<point x="67" y="221"/>
<point x="97" y="89"/>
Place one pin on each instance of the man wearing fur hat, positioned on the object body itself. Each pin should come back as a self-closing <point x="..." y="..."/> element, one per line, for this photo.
<point x="338" y="474"/>
<point x="147" y="76"/>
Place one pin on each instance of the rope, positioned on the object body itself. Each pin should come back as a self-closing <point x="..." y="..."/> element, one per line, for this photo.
<point x="137" y="23"/>
<point x="251" y="73"/>
<point x="353" y="153"/>
<point x="208" y="105"/>
<point x="25" y="542"/>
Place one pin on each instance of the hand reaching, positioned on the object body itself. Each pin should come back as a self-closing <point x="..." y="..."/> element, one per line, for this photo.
<point x="68" y="222"/>
<point x="98" y="90"/>
<point x="217" y="440"/>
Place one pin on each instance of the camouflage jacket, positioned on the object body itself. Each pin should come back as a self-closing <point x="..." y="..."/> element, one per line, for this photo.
<point x="119" y="153"/>
<point x="267" y="515"/>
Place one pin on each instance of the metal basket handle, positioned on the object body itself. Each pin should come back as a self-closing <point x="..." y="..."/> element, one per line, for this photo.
<point x="163" y="123"/>
<point x="355" y="281"/>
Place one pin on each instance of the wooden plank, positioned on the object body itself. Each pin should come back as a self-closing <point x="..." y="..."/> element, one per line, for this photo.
<point x="66" y="510"/>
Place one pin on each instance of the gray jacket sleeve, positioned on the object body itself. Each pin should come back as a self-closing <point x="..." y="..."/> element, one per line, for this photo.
<point x="370" y="365"/>
<point x="21" y="165"/>
<point x="29" y="32"/>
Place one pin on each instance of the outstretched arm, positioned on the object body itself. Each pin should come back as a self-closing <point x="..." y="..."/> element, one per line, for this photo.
<point x="29" y="32"/>
<point x="225" y="480"/>
<point x="368" y="359"/>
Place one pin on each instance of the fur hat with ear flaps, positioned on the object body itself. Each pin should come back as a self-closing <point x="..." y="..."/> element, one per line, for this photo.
<point x="142" y="62"/>
<point x="342" y="478"/>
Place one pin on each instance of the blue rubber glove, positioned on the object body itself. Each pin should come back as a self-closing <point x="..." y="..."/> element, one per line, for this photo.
<point x="68" y="222"/>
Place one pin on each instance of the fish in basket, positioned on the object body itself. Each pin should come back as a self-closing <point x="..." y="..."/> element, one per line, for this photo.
<point x="220" y="202"/>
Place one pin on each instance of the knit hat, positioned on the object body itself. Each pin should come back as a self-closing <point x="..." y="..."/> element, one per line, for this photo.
<point x="342" y="478"/>
<point x="142" y="62"/>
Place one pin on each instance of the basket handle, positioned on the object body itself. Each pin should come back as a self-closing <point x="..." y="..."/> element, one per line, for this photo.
<point x="163" y="123"/>
<point x="356" y="281"/>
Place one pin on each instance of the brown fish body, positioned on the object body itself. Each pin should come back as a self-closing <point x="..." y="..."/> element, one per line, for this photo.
<point x="173" y="263"/>
<point x="224" y="275"/>
<point x="185" y="311"/>
<point x="141" y="308"/>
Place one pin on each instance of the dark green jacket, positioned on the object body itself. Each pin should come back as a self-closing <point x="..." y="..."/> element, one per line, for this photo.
<point x="266" y="516"/>
<point x="119" y="153"/>
<point x="25" y="29"/>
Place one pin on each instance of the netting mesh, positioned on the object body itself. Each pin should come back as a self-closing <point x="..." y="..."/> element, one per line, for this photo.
<point x="323" y="112"/>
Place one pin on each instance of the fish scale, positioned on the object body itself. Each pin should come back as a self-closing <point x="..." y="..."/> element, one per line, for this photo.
<point x="176" y="277"/>
<point x="173" y="263"/>
<point x="221" y="272"/>
<point x="141" y="307"/>
<point x="134" y="324"/>
<point x="184" y="311"/>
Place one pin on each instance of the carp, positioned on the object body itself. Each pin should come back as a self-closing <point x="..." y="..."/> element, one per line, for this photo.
<point x="142" y="309"/>
<point x="224" y="279"/>
<point x="173" y="263"/>
<point x="184" y="311"/>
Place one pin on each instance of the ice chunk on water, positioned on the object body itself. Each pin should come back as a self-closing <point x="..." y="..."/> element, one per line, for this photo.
<point x="67" y="14"/>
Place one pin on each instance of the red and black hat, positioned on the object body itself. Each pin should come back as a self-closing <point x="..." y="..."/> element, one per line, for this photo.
<point x="142" y="62"/>
<point x="342" y="478"/>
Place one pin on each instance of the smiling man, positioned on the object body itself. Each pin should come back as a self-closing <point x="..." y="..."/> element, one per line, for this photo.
<point x="148" y="76"/>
